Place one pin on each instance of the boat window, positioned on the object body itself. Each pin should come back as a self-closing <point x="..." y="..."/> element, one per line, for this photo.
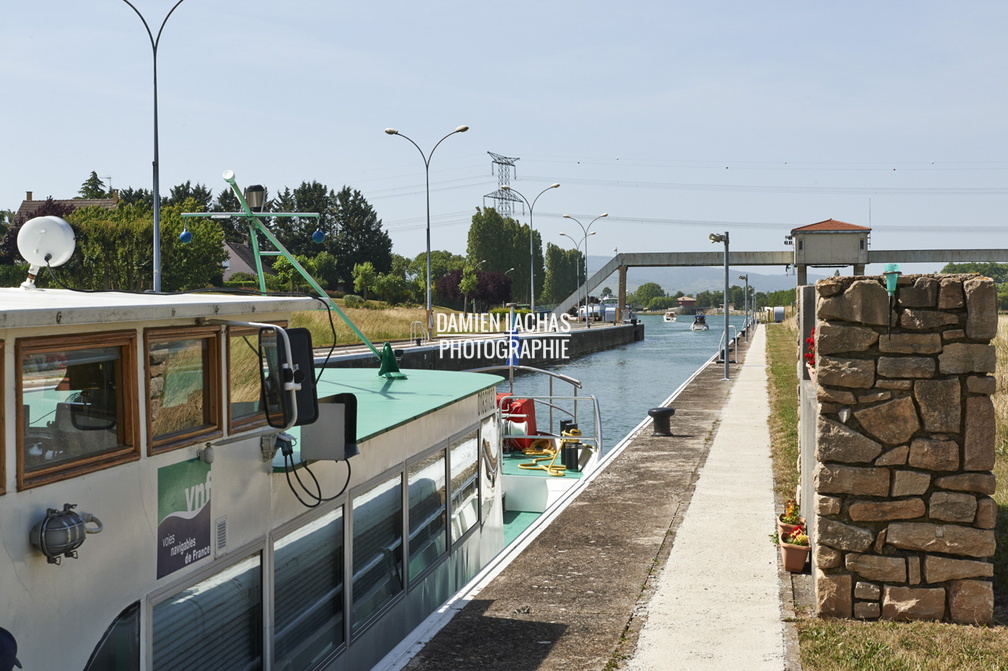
<point x="244" y="394"/>
<point x="377" y="549"/>
<point x="308" y="593"/>
<point x="215" y="624"/>
<point x="490" y="459"/>
<point x="428" y="512"/>
<point x="464" y="485"/>
<point x="119" y="647"/>
<point x="76" y="405"/>
<point x="183" y="383"/>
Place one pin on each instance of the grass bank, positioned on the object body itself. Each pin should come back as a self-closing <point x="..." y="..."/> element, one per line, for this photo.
<point x="379" y="325"/>
<point x="848" y="645"/>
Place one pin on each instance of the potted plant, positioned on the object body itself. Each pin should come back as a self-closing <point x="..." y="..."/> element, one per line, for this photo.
<point x="790" y="518"/>
<point x="810" y="353"/>
<point x="794" y="549"/>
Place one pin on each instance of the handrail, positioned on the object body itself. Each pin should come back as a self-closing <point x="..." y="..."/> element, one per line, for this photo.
<point x="733" y="344"/>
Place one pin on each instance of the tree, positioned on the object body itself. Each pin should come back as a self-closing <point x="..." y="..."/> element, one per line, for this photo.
<point x="363" y="278"/>
<point x="326" y="270"/>
<point x="198" y="263"/>
<point x="131" y="196"/>
<point x="392" y="288"/>
<point x="235" y="229"/>
<point x="996" y="271"/>
<point x="504" y="244"/>
<point x="361" y="237"/>
<point x="287" y="274"/>
<point x="494" y="287"/>
<point x="93" y="187"/>
<point x="295" y="233"/>
<point x="114" y="249"/>
<point x="447" y="288"/>
<point x="648" y="291"/>
<point x="561" y="273"/>
<point x="467" y="284"/>
<point x="199" y="194"/>
<point x="442" y="262"/>
<point x="661" y="303"/>
<point x="226" y="201"/>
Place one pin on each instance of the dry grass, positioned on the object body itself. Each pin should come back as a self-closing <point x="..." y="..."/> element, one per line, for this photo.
<point x="389" y="324"/>
<point x="848" y="645"/>
<point x="782" y="378"/>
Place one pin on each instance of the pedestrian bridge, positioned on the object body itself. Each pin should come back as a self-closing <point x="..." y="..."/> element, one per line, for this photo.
<point x="624" y="260"/>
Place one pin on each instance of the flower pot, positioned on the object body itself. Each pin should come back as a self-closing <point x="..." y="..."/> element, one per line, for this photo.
<point x="785" y="528"/>
<point x="794" y="557"/>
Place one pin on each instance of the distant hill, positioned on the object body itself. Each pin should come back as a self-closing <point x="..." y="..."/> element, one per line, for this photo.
<point x="695" y="279"/>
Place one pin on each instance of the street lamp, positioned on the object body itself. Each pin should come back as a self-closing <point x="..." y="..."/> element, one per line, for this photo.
<point x="745" y="302"/>
<point x="585" y="229"/>
<point x="716" y="238"/>
<point x="154" y="41"/>
<point x="531" y="206"/>
<point x="426" y="160"/>
<point x="577" y="246"/>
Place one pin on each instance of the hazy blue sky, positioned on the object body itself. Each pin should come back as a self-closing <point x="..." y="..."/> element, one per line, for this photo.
<point x="678" y="119"/>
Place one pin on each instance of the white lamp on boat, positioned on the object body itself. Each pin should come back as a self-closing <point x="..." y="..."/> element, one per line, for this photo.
<point x="44" y="241"/>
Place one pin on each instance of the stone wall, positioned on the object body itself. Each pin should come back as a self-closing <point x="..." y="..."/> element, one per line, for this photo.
<point x="903" y="515"/>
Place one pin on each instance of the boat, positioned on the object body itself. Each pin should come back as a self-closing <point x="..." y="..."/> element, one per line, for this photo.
<point x="670" y="316"/>
<point x="186" y="485"/>
<point x="699" y="323"/>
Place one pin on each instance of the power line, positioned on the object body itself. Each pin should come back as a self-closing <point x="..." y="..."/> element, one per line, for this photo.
<point x="763" y="188"/>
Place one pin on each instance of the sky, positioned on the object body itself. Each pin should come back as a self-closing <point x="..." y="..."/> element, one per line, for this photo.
<point x="677" y="119"/>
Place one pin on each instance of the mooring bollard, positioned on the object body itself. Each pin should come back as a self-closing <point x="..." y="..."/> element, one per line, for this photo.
<point x="662" y="419"/>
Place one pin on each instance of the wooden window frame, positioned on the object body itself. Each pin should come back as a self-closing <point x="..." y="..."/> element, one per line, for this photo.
<point x="129" y="450"/>
<point x="212" y="393"/>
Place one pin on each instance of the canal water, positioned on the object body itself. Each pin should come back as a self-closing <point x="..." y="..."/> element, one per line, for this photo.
<point x="630" y="379"/>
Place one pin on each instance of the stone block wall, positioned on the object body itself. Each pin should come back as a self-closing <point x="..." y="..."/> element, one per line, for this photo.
<point x="903" y="515"/>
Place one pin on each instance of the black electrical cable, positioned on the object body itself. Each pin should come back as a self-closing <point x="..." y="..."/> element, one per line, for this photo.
<point x="318" y="498"/>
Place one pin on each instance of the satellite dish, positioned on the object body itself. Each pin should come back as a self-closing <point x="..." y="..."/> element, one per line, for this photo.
<point x="44" y="241"/>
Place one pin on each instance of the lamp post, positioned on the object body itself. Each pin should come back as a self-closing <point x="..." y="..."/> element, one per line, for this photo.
<point x="531" y="206"/>
<point x="154" y="41"/>
<point x="715" y="238"/>
<point x="745" y="302"/>
<point x="577" y="246"/>
<point x="585" y="229"/>
<point x="426" y="160"/>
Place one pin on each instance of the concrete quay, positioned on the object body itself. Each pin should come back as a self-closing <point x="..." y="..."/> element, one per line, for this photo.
<point x="662" y="562"/>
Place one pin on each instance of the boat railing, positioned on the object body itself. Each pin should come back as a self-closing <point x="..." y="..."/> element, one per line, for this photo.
<point x="560" y="408"/>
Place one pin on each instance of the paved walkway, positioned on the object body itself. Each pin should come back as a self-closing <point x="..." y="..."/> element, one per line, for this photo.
<point x="717" y="603"/>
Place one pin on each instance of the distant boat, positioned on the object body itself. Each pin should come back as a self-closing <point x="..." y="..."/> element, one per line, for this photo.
<point x="699" y="323"/>
<point x="670" y="316"/>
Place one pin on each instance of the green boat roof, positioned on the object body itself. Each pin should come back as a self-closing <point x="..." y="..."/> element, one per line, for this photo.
<point x="383" y="404"/>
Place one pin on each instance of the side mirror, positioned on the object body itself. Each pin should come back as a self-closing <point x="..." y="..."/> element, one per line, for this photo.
<point x="287" y="377"/>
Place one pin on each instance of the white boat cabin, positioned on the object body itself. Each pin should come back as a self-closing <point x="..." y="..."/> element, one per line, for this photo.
<point x="190" y="540"/>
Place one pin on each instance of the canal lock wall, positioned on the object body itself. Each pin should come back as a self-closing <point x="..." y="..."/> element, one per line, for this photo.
<point x="465" y="353"/>
<point x="898" y="445"/>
